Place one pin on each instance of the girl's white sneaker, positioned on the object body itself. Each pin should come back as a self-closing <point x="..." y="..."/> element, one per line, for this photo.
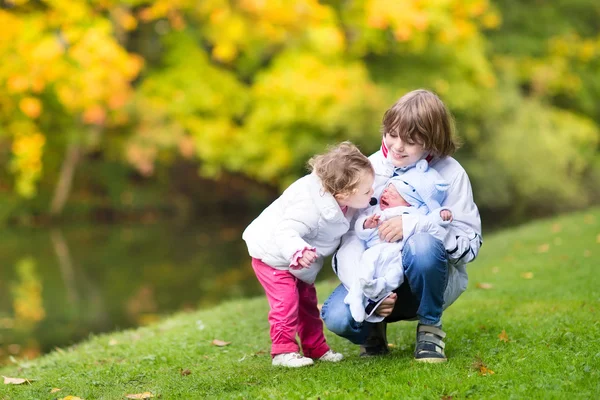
<point x="332" y="356"/>
<point x="292" y="360"/>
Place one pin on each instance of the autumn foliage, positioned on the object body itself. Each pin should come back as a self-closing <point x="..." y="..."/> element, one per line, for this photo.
<point x="256" y="87"/>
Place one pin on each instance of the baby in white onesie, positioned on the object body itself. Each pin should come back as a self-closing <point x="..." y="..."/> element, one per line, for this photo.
<point x="418" y="190"/>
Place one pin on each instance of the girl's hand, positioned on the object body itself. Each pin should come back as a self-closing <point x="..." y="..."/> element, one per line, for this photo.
<point x="308" y="257"/>
<point x="446" y="215"/>
<point x="371" y="222"/>
<point x="391" y="230"/>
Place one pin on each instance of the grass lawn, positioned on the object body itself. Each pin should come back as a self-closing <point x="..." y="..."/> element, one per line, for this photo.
<point x="527" y="327"/>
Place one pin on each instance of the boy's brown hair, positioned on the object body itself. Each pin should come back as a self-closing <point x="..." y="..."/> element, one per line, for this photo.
<point x="421" y="117"/>
<point x="340" y="168"/>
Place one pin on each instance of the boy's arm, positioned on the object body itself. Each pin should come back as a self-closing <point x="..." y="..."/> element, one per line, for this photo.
<point x="463" y="239"/>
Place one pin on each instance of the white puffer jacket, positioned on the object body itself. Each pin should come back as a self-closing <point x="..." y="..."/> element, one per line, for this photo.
<point x="304" y="216"/>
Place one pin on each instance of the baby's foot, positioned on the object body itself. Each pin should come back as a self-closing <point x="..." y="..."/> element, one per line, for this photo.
<point x="357" y="311"/>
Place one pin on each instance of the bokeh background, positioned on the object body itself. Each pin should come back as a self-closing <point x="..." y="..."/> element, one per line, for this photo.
<point x="138" y="138"/>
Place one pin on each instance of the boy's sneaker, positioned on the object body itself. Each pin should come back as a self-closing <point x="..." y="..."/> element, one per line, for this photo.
<point x="331" y="356"/>
<point x="291" y="360"/>
<point x="430" y="344"/>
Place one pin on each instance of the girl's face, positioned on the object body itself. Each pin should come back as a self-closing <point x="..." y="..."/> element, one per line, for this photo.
<point x="400" y="153"/>
<point x="361" y="196"/>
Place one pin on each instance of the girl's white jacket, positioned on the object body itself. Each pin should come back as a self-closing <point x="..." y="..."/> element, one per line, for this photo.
<point x="462" y="240"/>
<point x="304" y="216"/>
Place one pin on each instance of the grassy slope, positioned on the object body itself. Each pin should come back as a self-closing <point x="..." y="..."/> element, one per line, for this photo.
<point x="551" y="321"/>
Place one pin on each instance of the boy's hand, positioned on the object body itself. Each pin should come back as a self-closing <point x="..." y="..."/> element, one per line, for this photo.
<point x="387" y="305"/>
<point x="391" y="230"/>
<point x="371" y="222"/>
<point x="308" y="257"/>
<point x="446" y="215"/>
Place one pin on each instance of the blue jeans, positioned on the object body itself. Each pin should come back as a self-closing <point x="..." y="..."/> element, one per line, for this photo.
<point x="420" y="296"/>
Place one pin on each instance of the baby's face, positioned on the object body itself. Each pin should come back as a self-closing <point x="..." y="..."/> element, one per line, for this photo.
<point x="391" y="198"/>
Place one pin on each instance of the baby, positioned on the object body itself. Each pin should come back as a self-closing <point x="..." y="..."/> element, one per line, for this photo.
<point x="419" y="190"/>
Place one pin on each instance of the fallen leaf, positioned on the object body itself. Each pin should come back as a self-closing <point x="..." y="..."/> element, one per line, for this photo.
<point x="391" y="345"/>
<point x="485" y="371"/>
<point x="483" y="285"/>
<point x="503" y="336"/>
<point x="543" y="248"/>
<point x="15" y="381"/>
<point x="55" y="390"/>
<point x="527" y="275"/>
<point x="587" y="253"/>
<point x="185" y="372"/>
<point x="481" y="368"/>
<point x="145" y="395"/>
<point x="556" y="228"/>
<point x="220" y="343"/>
<point x="446" y="398"/>
<point x="71" y="398"/>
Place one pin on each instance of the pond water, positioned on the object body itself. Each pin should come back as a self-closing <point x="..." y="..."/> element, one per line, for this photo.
<point x="59" y="285"/>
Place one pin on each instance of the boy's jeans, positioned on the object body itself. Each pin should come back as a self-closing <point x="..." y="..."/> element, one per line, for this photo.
<point x="421" y="295"/>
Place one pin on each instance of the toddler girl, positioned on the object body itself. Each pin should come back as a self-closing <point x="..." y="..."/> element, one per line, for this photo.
<point x="289" y="240"/>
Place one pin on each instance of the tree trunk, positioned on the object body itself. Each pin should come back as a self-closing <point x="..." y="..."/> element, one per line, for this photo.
<point x="65" y="180"/>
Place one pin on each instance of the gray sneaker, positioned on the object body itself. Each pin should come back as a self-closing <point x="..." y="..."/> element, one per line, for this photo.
<point x="376" y="343"/>
<point x="430" y="344"/>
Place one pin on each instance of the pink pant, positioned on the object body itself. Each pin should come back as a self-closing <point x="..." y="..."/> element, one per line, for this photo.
<point x="293" y="310"/>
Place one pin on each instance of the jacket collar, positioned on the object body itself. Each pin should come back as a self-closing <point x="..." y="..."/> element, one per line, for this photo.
<point x="325" y="202"/>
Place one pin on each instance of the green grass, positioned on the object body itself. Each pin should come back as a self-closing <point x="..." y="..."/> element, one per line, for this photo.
<point x="544" y="296"/>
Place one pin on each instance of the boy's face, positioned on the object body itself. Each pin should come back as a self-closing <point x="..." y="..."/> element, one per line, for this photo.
<point x="361" y="197"/>
<point x="401" y="153"/>
<point x="391" y="198"/>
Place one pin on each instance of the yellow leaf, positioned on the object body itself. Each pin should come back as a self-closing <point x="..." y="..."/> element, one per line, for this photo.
<point x="220" y="343"/>
<point x="31" y="106"/>
<point x="527" y="275"/>
<point x="15" y="381"/>
<point x="55" y="390"/>
<point x="503" y="336"/>
<point x="543" y="248"/>
<point x="94" y="115"/>
<point x="587" y="253"/>
<point x="483" y="285"/>
<point x="483" y="370"/>
<point x="71" y="398"/>
<point x="145" y="395"/>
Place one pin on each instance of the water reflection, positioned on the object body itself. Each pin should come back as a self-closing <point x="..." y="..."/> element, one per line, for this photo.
<point x="59" y="285"/>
